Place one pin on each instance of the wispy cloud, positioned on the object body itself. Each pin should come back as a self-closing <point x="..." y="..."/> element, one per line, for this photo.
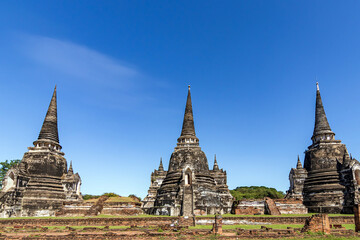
<point x="78" y="61"/>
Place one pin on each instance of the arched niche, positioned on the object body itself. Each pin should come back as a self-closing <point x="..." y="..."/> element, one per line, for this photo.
<point x="188" y="177"/>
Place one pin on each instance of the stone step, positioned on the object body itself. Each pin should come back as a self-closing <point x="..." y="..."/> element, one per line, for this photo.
<point x="321" y="183"/>
<point x="323" y="177"/>
<point x="52" y="180"/>
<point x="271" y="207"/>
<point x="334" y="175"/>
<point x="187" y="189"/>
<point x="45" y="177"/>
<point x="171" y="181"/>
<point x="325" y="180"/>
<point x="35" y="184"/>
<point x="321" y="188"/>
<point x="44" y="188"/>
<point x="50" y="186"/>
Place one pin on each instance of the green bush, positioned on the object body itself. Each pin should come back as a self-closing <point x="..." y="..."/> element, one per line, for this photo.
<point x="89" y="196"/>
<point x="256" y="192"/>
<point x="5" y="166"/>
<point x="111" y="194"/>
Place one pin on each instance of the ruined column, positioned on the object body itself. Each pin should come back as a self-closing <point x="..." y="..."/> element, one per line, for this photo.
<point x="357" y="217"/>
<point x="317" y="223"/>
<point x="217" y="227"/>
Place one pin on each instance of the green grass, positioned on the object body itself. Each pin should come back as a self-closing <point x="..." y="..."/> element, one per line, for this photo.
<point x="274" y="226"/>
<point x="328" y="237"/>
<point x="213" y="237"/>
<point x="349" y="226"/>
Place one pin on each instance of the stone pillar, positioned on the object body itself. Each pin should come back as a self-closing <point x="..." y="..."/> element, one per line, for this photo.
<point x="357" y="217"/>
<point x="217" y="227"/>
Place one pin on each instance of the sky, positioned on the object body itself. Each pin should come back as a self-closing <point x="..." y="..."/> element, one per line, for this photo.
<point x="122" y="69"/>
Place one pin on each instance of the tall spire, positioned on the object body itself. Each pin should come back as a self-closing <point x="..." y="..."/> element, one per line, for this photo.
<point x="188" y="128"/>
<point x="298" y="165"/>
<point x="346" y="158"/>
<point x="216" y="166"/>
<point x="188" y="137"/>
<point x="71" y="171"/>
<point x="49" y="130"/>
<point x="322" y="126"/>
<point x="161" y="167"/>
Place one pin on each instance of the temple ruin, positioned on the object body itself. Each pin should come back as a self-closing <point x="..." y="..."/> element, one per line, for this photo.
<point x="330" y="179"/>
<point x="41" y="182"/>
<point x="189" y="187"/>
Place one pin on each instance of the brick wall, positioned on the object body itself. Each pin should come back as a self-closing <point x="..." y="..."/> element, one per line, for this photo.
<point x="156" y="221"/>
<point x="106" y="208"/>
<point x="257" y="206"/>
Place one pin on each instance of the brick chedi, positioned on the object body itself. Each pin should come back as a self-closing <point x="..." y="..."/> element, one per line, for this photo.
<point x="41" y="182"/>
<point x="330" y="179"/>
<point x="190" y="187"/>
<point x="297" y="178"/>
<point x="157" y="177"/>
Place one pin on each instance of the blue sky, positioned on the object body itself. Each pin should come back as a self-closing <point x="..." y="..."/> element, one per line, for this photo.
<point x="122" y="70"/>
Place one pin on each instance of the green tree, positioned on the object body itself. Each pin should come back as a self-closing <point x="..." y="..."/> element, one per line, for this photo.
<point x="5" y="166"/>
<point x="256" y="192"/>
<point x="89" y="196"/>
<point x="111" y="194"/>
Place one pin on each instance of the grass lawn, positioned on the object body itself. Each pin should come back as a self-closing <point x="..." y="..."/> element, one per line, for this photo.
<point x="274" y="226"/>
<point x="328" y="237"/>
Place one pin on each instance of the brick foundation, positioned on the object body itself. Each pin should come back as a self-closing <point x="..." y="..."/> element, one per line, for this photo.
<point x="257" y="206"/>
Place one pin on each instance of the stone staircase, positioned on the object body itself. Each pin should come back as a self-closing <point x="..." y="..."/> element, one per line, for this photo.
<point x="187" y="208"/>
<point x="270" y="207"/>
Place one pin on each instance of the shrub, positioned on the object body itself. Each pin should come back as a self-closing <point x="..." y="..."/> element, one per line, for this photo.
<point x="111" y="194"/>
<point x="256" y="192"/>
<point x="89" y="196"/>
